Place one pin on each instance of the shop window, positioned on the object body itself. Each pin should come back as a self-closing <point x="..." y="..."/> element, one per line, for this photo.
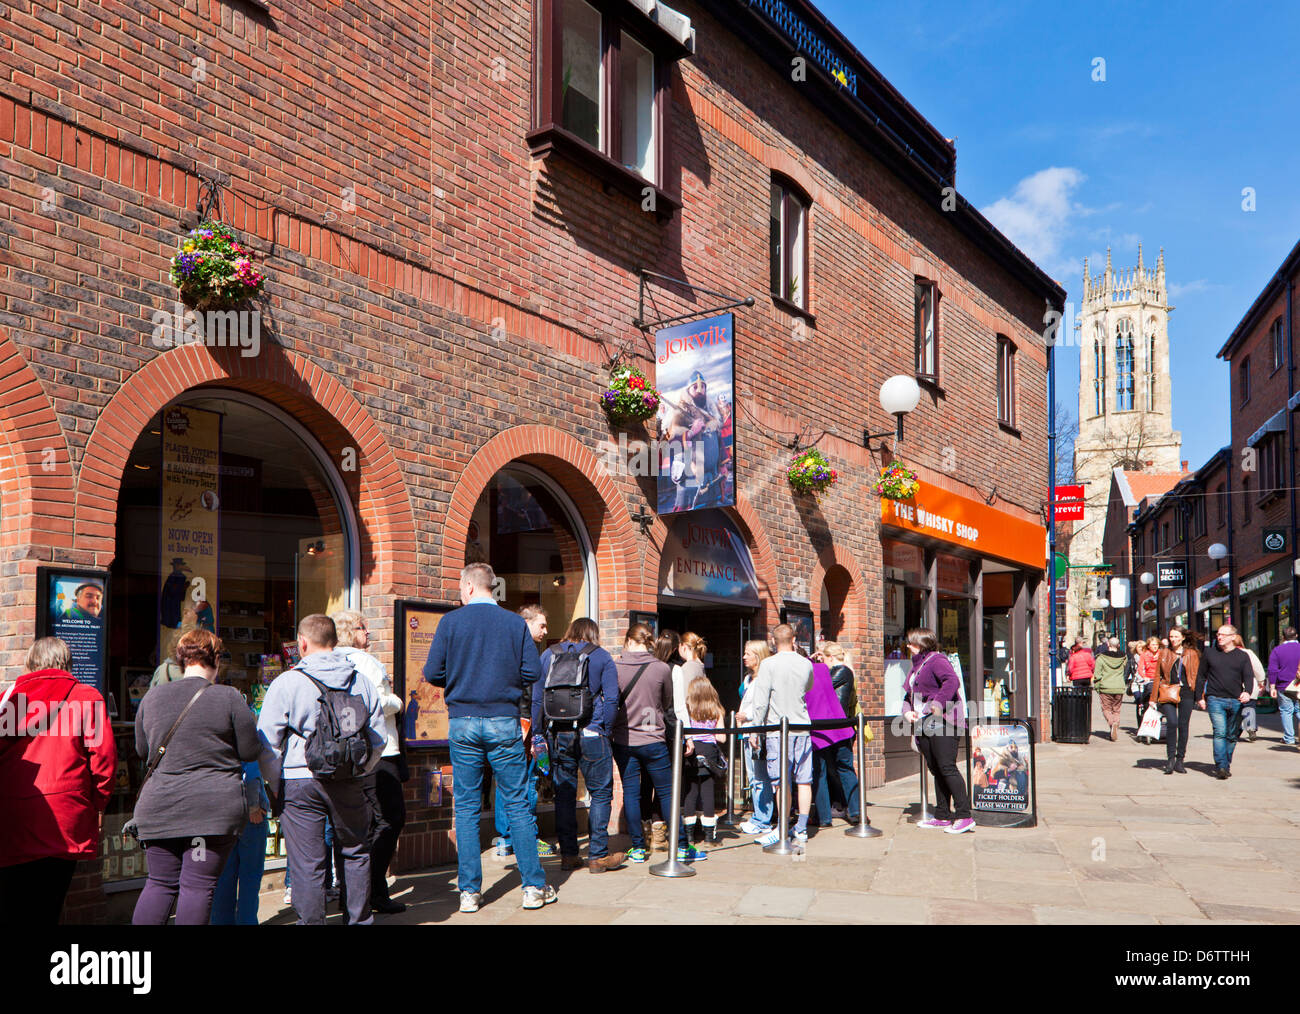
<point x="1277" y="336"/>
<point x="229" y="518"/>
<point x="927" y="330"/>
<point x="1006" y="381"/>
<point x="904" y="608"/>
<point x="788" y="243"/>
<point x="525" y="527"/>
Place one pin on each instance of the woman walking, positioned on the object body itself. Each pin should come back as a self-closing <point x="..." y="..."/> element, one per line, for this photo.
<point x="57" y="759"/>
<point x="192" y="809"/>
<point x="1108" y="679"/>
<point x="1174" y="691"/>
<point x="760" y="786"/>
<point x="934" y="699"/>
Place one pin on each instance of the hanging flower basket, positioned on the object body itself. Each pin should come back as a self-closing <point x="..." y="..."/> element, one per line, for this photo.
<point x="897" y="482"/>
<point x="212" y="270"/>
<point x="630" y="397"/>
<point x="810" y="472"/>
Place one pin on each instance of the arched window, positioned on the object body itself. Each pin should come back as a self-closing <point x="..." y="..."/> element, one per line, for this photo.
<point x="1099" y="373"/>
<point x="1124" y="366"/>
<point x="1151" y="371"/>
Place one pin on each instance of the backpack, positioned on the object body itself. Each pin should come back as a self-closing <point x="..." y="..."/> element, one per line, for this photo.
<point x="566" y="695"/>
<point x="339" y="747"/>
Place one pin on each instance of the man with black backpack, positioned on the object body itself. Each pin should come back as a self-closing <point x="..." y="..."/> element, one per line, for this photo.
<point x="574" y="704"/>
<point x="324" y="722"/>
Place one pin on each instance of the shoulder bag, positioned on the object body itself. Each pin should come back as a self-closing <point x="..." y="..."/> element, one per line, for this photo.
<point x="130" y="828"/>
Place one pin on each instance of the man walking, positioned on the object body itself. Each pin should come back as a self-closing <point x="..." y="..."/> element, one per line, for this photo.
<point x="485" y="658"/>
<point x="1283" y="663"/>
<point x="1225" y="684"/>
<point x="294" y="702"/>
<point x="778" y="692"/>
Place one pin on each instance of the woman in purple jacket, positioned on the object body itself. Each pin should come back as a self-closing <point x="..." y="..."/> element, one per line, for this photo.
<point x="832" y="748"/>
<point x="936" y="708"/>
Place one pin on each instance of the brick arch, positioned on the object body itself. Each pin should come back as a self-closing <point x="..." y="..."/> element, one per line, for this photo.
<point x="855" y="602"/>
<point x="292" y="383"/>
<point x="586" y="481"/>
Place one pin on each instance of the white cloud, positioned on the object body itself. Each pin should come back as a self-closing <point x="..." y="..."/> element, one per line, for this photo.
<point x="1177" y="291"/>
<point x="1038" y="214"/>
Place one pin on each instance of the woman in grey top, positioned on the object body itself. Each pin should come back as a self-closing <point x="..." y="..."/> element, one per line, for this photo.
<point x="191" y="811"/>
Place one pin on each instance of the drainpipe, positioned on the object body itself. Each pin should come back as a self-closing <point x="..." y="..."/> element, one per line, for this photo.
<point x="1290" y="446"/>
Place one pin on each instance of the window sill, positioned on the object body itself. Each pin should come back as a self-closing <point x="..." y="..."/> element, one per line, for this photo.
<point x="794" y="309"/>
<point x="555" y="140"/>
<point x="931" y="384"/>
<point x="1007" y="427"/>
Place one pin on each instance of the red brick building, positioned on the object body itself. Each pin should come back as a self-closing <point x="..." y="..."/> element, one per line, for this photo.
<point x="454" y="210"/>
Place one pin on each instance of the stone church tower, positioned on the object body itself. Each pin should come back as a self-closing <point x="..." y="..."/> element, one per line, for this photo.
<point x="1125" y="404"/>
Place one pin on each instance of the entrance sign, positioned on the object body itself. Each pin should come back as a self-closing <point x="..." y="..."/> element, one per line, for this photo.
<point x="1001" y="766"/>
<point x="705" y="558"/>
<point x="961" y="521"/>
<point x="424" y="721"/>
<point x="696" y="378"/>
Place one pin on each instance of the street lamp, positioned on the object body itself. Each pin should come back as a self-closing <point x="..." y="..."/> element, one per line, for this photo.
<point x="898" y="396"/>
<point x="1104" y="604"/>
<point x="1217" y="552"/>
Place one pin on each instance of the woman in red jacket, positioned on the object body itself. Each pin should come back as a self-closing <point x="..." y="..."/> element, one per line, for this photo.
<point x="57" y="759"/>
<point x="1080" y="664"/>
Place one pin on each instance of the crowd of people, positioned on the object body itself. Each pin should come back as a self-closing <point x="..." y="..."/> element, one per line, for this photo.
<point x="1170" y="677"/>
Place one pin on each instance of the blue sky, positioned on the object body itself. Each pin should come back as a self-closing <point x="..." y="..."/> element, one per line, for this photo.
<point x="1198" y="103"/>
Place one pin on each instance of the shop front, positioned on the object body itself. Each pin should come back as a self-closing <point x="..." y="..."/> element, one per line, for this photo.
<point x="971" y="573"/>
<point x="1265" y="608"/>
<point x="1174" y="609"/>
<point x="1213" y="603"/>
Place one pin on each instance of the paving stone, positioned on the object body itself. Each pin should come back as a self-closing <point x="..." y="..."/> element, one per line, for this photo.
<point x="1051" y="915"/>
<point x="852" y="907"/>
<point x="781" y="902"/>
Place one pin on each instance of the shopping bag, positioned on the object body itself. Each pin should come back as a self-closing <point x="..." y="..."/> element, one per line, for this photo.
<point x="1150" y="727"/>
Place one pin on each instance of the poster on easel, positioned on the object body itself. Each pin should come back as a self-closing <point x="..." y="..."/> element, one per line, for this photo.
<point x="425" y="723"/>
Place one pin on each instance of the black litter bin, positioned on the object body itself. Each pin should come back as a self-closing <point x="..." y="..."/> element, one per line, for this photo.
<point x="1072" y="714"/>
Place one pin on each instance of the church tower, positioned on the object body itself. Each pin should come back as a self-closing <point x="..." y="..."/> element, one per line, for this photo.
<point x="1125" y="403"/>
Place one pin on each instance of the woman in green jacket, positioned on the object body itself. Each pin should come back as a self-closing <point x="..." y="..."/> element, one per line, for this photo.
<point x="1108" y="680"/>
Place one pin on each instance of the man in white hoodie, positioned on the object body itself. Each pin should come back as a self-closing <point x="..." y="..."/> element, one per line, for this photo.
<point x="384" y="785"/>
<point x="287" y="721"/>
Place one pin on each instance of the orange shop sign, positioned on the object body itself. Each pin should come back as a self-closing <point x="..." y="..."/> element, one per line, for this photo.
<point x="964" y="522"/>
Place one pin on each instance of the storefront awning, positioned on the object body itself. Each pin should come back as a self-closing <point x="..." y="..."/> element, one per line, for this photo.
<point x="705" y="558"/>
<point x="1275" y="424"/>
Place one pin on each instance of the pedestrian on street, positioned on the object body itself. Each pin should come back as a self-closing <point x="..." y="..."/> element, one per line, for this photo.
<point x="760" y="786"/>
<point x="1249" y="719"/>
<point x="832" y="749"/>
<point x="1108" y="679"/>
<point x="1283" y="667"/>
<point x="383" y="786"/>
<point x="935" y="708"/>
<point x="1225" y="685"/>
<point x="191" y="810"/>
<point x="582" y="743"/>
<point x="705" y="768"/>
<point x="1080" y="665"/>
<point x="486" y="659"/>
<point x="780" y="691"/>
<point x="644" y="728"/>
<point x="1148" y="668"/>
<point x="1174" y="693"/>
<point x="237" y="894"/>
<point x="324" y="701"/>
<point x="57" y="762"/>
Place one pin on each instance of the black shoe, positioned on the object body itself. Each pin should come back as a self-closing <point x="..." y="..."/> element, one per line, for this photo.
<point x="387" y="907"/>
<point x="1220" y="774"/>
<point x="1178" y="767"/>
<point x="1227" y="772"/>
<point x="1169" y="767"/>
<point x="711" y="834"/>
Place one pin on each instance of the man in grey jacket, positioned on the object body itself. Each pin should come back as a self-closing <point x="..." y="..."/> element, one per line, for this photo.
<point x="287" y="720"/>
<point x="778" y="692"/>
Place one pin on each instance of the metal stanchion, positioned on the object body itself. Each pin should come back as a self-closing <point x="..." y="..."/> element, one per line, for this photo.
<point x="925" y="789"/>
<point x="863" y="828"/>
<point x="672" y="866"/>
<point x="729" y="818"/>
<point x="782" y="846"/>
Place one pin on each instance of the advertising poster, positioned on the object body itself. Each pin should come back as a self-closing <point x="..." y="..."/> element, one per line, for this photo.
<point x="1001" y="768"/>
<point x="696" y="378"/>
<point x="424" y="716"/>
<point x="191" y="452"/>
<point x="73" y="605"/>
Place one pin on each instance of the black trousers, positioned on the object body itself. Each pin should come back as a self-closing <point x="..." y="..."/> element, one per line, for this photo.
<point x="951" y="801"/>
<point x="1178" y="717"/>
<point x="32" y="893"/>
<point x="383" y="788"/>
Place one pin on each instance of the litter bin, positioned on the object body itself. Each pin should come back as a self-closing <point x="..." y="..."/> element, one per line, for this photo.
<point x="1072" y="714"/>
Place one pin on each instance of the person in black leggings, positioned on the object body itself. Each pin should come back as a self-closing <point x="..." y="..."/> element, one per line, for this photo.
<point x="1179" y="666"/>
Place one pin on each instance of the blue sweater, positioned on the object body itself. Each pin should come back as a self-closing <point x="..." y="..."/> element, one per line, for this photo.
<point x="602" y="677"/>
<point x="485" y="658"/>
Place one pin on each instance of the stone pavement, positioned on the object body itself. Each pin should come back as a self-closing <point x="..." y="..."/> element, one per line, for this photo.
<point x="1117" y="842"/>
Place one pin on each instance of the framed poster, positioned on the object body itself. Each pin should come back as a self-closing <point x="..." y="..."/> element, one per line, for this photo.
<point x="696" y="378"/>
<point x="651" y="620"/>
<point x="72" y="604"/>
<point x="424" y="717"/>
<point x="1001" y="768"/>
<point x="800" y="616"/>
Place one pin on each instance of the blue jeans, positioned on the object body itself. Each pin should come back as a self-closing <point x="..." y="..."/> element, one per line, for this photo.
<point x="760" y="787"/>
<point x="1225" y="716"/>
<point x="1289" y="709"/>
<point x="234" y="901"/>
<point x="499" y="815"/>
<point x="478" y="743"/>
<point x="835" y="761"/>
<point x="655" y="760"/>
<point x="593" y="755"/>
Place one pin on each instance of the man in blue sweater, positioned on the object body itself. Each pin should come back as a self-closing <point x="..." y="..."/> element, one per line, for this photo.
<point x="1283" y="664"/>
<point x="485" y="658"/>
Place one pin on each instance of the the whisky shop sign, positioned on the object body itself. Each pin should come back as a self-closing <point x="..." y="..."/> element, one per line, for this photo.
<point x="964" y="522"/>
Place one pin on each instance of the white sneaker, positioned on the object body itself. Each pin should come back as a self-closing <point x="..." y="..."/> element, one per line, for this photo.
<point x="800" y="836"/>
<point x="771" y="838"/>
<point x="470" y="901"/>
<point x="753" y="827"/>
<point x="536" y="897"/>
<point x="288" y="896"/>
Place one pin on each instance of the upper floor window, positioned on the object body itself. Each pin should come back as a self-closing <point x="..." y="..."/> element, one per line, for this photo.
<point x="1099" y="374"/>
<point x="1006" y="381"/>
<point x="1271" y="478"/>
<point x="1198" y="515"/>
<point x="1124" y="366"/>
<point x="1243" y="381"/>
<point x="788" y="242"/>
<point x="1220" y="497"/>
<point x="1164" y="533"/>
<point x="1151" y="373"/>
<point x="1278" y="351"/>
<point x="927" y="329"/>
<point x="1245" y="500"/>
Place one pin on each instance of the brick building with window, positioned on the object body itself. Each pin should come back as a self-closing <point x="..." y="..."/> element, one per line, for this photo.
<point x="462" y="215"/>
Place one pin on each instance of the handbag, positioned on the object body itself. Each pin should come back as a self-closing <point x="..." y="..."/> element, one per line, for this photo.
<point x="130" y="828"/>
<point x="1292" y="689"/>
<point x="1170" y="693"/>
